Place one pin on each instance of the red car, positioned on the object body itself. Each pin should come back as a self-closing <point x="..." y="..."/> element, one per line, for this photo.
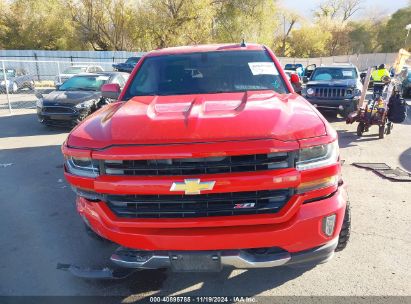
<point x="209" y="158"/>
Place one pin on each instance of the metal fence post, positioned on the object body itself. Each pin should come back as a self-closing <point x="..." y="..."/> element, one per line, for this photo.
<point x="6" y="86"/>
<point x="58" y="71"/>
<point x="37" y="67"/>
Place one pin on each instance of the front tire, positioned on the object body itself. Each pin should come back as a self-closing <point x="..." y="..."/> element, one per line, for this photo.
<point x="14" y="88"/>
<point x="360" y="129"/>
<point x="345" y="230"/>
<point x="348" y="110"/>
<point x="32" y="85"/>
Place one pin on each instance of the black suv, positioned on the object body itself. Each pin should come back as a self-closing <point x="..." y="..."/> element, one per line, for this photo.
<point x="334" y="88"/>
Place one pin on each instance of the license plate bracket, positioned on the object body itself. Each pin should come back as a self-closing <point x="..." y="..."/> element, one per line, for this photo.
<point x="60" y="117"/>
<point x="205" y="261"/>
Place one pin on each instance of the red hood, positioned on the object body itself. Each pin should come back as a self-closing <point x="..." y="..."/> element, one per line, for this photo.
<point x="200" y="118"/>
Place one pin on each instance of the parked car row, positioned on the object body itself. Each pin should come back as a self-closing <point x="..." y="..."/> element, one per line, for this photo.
<point x="74" y="70"/>
<point x="127" y="66"/>
<point x="15" y="80"/>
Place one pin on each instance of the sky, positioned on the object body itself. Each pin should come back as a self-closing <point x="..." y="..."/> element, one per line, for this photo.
<point x="371" y="7"/>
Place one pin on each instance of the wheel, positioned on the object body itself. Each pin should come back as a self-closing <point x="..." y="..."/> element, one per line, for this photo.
<point x="389" y="128"/>
<point x="360" y="129"/>
<point x="32" y="85"/>
<point x="14" y="87"/>
<point x="349" y="109"/>
<point x="345" y="230"/>
<point x="381" y="131"/>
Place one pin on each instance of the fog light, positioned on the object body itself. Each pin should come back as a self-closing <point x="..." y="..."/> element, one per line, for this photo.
<point x="89" y="195"/>
<point x="329" y="225"/>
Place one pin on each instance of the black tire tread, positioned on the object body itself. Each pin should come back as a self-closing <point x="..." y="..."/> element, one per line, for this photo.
<point x="360" y="129"/>
<point x="345" y="230"/>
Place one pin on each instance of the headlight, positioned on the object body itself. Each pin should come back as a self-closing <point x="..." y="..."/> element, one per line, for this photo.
<point x="82" y="166"/>
<point x="318" y="156"/>
<point x="85" y="104"/>
<point x="3" y="82"/>
<point x="357" y="92"/>
<point x="310" y="91"/>
<point x="39" y="103"/>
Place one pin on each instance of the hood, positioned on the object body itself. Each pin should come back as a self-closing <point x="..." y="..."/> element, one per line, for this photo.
<point x="69" y="97"/>
<point x="334" y="83"/>
<point x="199" y="118"/>
<point x="123" y="64"/>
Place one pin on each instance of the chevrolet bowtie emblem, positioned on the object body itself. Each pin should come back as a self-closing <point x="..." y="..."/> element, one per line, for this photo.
<point x="192" y="186"/>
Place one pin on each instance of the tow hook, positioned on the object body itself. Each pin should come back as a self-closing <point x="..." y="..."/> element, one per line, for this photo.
<point x="99" y="274"/>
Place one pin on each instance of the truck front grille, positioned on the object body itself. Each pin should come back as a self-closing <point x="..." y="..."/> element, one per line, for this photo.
<point x="203" y="205"/>
<point x="194" y="166"/>
<point x="324" y="92"/>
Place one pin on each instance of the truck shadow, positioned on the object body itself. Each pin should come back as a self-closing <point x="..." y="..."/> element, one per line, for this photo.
<point x="26" y="125"/>
<point x="228" y="282"/>
<point x="348" y="139"/>
<point x="405" y="160"/>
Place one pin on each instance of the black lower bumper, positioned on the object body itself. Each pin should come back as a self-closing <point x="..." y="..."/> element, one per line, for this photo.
<point x="59" y="119"/>
<point x="242" y="259"/>
<point x="131" y="260"/>
<point x="333" y="104"/>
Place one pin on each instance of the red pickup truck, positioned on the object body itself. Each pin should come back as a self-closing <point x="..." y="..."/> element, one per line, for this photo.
<point x="209" y="158"/>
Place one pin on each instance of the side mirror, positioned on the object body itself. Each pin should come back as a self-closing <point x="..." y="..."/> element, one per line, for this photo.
<point x="294" y="78"/>
<point x="305" y="79"/>
<point x="110" y="90"/>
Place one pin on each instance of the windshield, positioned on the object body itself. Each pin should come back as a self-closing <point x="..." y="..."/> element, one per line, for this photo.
<point x="133" y="60"/>
<point x="84" y="83"/>
<point x="206" y="73"/>
<point x="334" y="74"/>
<point x="9" y="73"/>
<point x="74" y="70"/>
<point x="292" y="67"/>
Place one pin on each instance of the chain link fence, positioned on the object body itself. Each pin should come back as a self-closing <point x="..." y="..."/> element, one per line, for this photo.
<point x="21" y="79"/>
<point x="361" y="61"/>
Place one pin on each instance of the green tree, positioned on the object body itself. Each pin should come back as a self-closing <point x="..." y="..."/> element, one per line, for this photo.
<point x="333" y="17"/>
<point x="363" y="36"/>
<point x="104" y="24"/>
<point x="174" y="22"/>
<point x="253" y="20"/>
<point x="308" y="41"/>
<point x="392" y="36"/>
<point x="37" y="24"/>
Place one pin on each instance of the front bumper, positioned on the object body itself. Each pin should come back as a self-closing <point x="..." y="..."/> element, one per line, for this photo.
<point x="299" y="228"/>
<point x="331" y="104"/>
<point x="238" y="258"/>
<point x="58" y="118"/>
